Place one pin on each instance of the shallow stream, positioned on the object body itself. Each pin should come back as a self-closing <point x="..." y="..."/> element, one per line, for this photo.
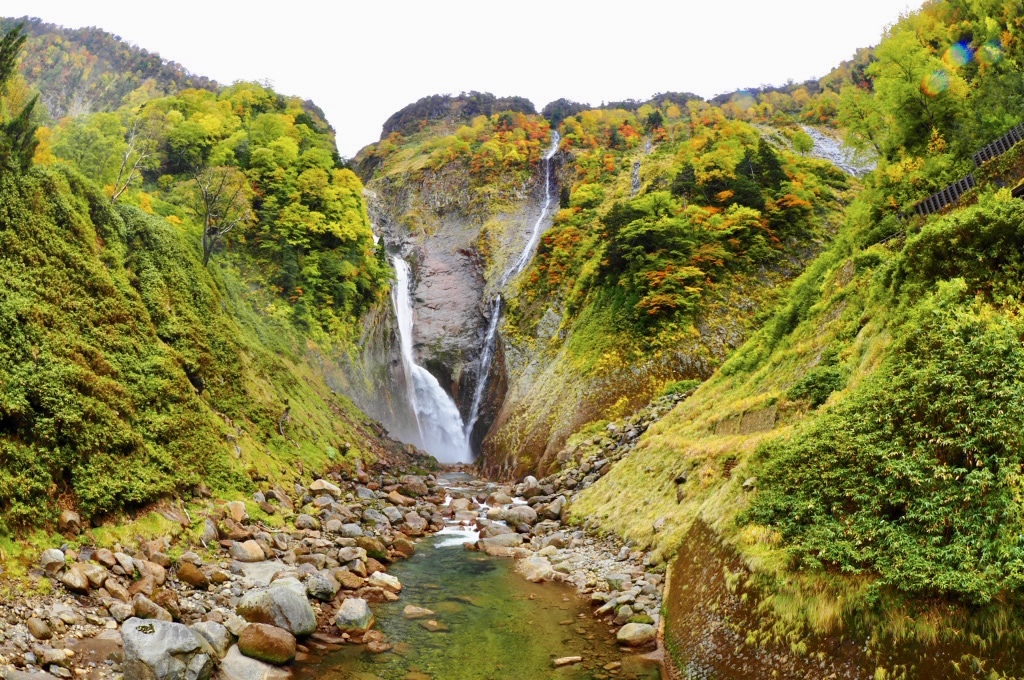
<point x="499" y="626"/>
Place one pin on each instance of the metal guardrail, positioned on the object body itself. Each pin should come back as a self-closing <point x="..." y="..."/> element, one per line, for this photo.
<point x="954" y="191"/>
<point x="1000" y="146"/>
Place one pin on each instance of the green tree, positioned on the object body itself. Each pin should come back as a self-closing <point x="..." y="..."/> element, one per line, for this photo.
<point x="18" y="133"/>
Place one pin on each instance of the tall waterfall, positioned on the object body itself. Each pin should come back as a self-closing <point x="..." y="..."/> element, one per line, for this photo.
<point x="491" y="339"/>
<point x="437" y="417"/>
<point x="524" y="257"/>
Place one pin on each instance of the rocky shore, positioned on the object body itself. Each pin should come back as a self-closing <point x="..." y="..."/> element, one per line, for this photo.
<point x="248" y="599"/>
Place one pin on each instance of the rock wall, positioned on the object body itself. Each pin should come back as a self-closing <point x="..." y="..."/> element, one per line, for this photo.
<point x="459" y="246"/>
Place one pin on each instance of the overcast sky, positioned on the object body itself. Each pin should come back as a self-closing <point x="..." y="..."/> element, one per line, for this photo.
<point x="363" y="61"/>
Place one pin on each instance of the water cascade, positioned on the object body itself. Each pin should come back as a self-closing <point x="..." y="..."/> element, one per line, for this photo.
<point x="491" y="339"/>
<point x="438" y="421"/>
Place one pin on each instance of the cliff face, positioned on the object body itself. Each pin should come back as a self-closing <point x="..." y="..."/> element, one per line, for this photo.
<point x="458" y="241"/>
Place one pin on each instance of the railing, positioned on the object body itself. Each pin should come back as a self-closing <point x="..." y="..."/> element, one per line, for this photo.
<point x="954" y="191"/>
<point x="1000" y="146"/>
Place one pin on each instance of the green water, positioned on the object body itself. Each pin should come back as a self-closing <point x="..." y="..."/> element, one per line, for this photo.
<point x="501" y="627"/>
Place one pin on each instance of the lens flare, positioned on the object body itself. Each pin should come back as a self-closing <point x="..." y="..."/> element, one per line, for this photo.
<point x="957" y="55"/>
<point x="990" y="53"/>
<point x="744" y="100"/>
<point x="935" y="83"/>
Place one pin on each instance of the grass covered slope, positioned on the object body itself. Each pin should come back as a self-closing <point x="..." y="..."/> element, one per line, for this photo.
<point x="130" y="372"/>
<point x="889" y="486"/>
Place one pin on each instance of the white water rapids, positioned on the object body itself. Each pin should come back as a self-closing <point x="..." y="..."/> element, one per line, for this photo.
<point x="438" y="420"/>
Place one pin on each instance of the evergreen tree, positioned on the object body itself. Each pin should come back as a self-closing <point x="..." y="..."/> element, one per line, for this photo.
<point x="17" y="135"/>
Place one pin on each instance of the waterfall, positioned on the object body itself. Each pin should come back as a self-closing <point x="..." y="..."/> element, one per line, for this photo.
<point x="484" y="371"/>
<point x="491" y="339"/>
<point x="524" y="257"/>
<point x="437" y="417"/>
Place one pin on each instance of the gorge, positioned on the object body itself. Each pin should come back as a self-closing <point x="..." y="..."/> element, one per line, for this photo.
<point x="702" y="367"/>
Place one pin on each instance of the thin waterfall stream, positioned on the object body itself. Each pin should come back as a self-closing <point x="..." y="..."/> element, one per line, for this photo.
<point x="491" y="339"/>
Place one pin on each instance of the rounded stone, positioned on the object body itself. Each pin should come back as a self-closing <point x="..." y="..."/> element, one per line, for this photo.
<point x="267" y="643"/>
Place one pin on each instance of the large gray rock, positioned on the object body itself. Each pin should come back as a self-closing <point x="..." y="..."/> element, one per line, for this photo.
<point x="236" y="666"/>
<point x="636" y="634"/>
<point x="521" y="514"/>
<point x="393" y="514"/>
<point x="52" y="560"/>
<point x="351" y="531"/>
<point x="282" y="604"/>
<point x="158" y="650"/>
<point x="371" y="515"/>
<point x="322" y="586"/>
<point x="216" y="634"/>
<point x="354" y="616"/>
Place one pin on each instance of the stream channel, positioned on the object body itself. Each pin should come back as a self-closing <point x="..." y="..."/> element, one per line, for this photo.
<point x="499" y="626"/>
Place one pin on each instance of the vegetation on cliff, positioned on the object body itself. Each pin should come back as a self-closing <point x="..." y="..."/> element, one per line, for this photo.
<point x="129" y="370"/>
<point x="862" y="450"/>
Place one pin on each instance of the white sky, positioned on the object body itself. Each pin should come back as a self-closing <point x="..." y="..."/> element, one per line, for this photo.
<point x="363" y="61"/>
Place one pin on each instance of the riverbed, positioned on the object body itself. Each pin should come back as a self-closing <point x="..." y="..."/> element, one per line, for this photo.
<point x="495" y="625"/>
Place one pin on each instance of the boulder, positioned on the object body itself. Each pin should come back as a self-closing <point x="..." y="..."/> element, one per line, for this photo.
<point x="351" y="531"/>
<point x="52" y="560"/>
<point x="414" y="486"/>
<point x="393" y="514"/>
<point x="386" y="581"/>
<point x="403" y="546"/>
<point x="396" y="498"/>
<point x="219" y="638"/>
<point x="96" y="574"/>
<point x="267" y="643"/>
<point x="348" y="580"/>
<point x="249" y="551"/>
<point x="192" y="575"/>
<point x="529" y="488"/>
<point x="158" y="650"/>
<point x="145" y="608"/>
<point x="121" y="611"/>
<point x="322" y="586"/>
<point x="307" y="522"/>
<point x="75" y="579"/>
<point x="39" y="629"/>
<point x="210" y="533"/>
<point x="282" y="604"/>
<point x="536" y="569"/>
<point x="354" y="616"/>
<point x="510" y="540"/>
<point x="236" y="511"/>
<point x="70" y="522"/>
<point x="636" y="634"/>
<point x="414" y="524"/>
<point x="322" y="486"/>
<point x="237" y="666"/>
<point x="521" y="514"/>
